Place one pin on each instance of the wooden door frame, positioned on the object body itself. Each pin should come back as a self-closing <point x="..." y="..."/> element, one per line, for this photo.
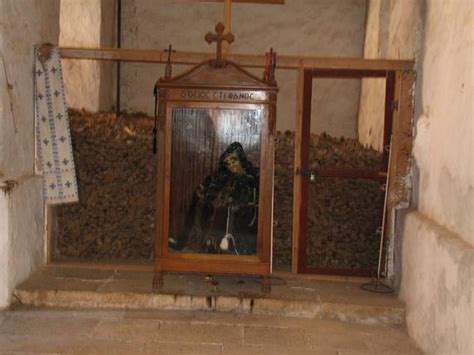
<point x="395" y="91"/>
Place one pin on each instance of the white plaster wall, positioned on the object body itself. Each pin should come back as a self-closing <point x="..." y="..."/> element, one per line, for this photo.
<point x="4" y="252"/>
<point x="21" y="235"/>
<point x="437" y="238"/>
<point x="300" y="27"/>
<point x="88" y="23"/>
<point x="391" y="33"/>
<point x="26" y="230"/>
<point x="437" y="286"/>
<point x="19" y="32"/>
<point x="437" y="253"/>
<point x="23" y="23"/>
<point x="443" y="147"/>
<point x="372" y="95"/>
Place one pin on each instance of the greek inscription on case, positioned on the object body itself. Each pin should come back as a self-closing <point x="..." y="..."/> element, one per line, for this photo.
<point x="218" y="95"/>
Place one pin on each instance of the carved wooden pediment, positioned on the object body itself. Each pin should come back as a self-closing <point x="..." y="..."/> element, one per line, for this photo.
<point x="205" y="75"/>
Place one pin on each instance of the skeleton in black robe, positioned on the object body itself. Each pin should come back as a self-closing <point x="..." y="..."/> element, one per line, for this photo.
<point x="223" y="216"/>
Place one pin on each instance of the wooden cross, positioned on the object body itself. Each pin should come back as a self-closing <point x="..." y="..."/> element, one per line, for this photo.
<point x="219" y="37"/>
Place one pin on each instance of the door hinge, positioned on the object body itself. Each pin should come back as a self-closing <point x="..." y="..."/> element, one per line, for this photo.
<point x="394" y="105"/>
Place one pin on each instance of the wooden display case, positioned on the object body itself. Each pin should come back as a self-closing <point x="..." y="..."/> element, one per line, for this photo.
<point x="216" y="125"/>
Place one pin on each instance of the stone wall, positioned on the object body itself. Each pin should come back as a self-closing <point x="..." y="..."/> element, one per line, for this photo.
<point x="89" y="84"/>
<point x="300" y="27"/>
<point x="437" y="236"/>
<point x="23" y="24"/>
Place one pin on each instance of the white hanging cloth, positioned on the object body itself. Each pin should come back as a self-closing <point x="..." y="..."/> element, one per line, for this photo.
<point x="54" y="154"/>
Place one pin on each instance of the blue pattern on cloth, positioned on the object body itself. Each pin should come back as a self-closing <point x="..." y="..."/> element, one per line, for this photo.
<point x="54" y="153"/>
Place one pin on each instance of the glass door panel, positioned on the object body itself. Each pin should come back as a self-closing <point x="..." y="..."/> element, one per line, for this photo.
<point x="215" y="159"/>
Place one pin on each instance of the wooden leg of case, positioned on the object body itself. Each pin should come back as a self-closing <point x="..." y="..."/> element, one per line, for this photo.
<point x="158" y="282"/>
<point x="266" y="284"/>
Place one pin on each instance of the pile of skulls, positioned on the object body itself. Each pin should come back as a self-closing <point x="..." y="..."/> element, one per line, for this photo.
<point x="343" y="214"/>
<point x="116" y="171"/>
<point x="115" y="218"/>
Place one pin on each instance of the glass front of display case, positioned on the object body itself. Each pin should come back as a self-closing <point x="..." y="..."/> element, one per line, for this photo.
<point x="214" y="191"/>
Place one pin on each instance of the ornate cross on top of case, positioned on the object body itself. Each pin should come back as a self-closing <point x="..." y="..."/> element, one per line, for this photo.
<point x="218" y="37"/>
<point x="215" y="134"/>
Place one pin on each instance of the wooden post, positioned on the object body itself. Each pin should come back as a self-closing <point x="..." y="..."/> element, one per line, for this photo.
<point x="401" y="149"/>
<point x="402" y="135"/>
<point x="227" y="23"/>
<point x="297" y="177"/>
<point x="50" y="218"/>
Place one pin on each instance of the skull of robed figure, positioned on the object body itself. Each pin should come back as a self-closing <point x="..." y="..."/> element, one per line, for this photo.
<point x="233" y="164"/>
<point x="224" y="211"/>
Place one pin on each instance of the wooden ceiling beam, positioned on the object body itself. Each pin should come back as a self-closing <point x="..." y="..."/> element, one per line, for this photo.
<point x="245" y="60"/>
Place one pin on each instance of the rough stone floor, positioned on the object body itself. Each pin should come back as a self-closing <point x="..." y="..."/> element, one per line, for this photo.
<point x="41" y="330"/>
<point x="65" y="310"/>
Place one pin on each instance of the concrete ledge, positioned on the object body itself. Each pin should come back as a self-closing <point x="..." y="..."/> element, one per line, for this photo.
<point x="262" y="306"/>
<point x="437" y="286"/>
<point x="293" y="297"/>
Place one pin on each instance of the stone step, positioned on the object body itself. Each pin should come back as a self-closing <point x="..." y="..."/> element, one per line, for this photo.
<point x="96" y="331"/>
<point x="291" y="296"/>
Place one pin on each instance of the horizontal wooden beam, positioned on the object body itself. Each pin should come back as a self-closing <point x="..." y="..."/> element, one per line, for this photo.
<point x="269" y="2"/>
<point x="101" y="266"/>
<point x="353" y="173"/>
<point x="245" y="60"/>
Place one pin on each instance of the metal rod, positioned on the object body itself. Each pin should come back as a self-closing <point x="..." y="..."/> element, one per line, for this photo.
<point x="382" y="235"/>
<point x="119" y="44"/>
